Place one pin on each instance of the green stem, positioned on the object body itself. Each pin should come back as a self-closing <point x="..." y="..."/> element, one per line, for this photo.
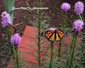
<point x="39" y="31"/>
<point x="11" y="48"/>
<point x="73" y="51"/>
<point x="64" y="23"/>
<point x="51" y="55"/>
<point x="69" y="61"/>
<point x="81" y="17"/>
<point x="39" y="62"/>
<point x="17" y="59"/>
<point x="59" y="49"/>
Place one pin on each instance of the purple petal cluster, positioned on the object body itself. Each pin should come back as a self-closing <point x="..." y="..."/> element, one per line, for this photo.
<point x="5" y="19"/>
<point x="79" y="7"/>
<point x="65" y="6"/>
<point x="78" y="25"/>
<point x="15" y="39"/>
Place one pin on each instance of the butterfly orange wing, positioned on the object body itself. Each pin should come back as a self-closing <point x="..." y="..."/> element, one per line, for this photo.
<point x="57" y="37"/>
<point x="48" y="34"/>
<point x="52" y="38"/>
<point x="12" y="29"/>
<point x="60" y="33"/>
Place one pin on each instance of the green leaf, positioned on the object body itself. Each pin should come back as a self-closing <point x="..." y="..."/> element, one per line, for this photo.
<point x="9" y="5"/>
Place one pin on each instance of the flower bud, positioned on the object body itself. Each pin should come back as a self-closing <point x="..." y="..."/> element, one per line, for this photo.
<point x="78" y="25"/>
<point x="15" y="39"/>
<point x="6" y="19"/>
<point x="65" y="6"/>
<point x="79" y="7"/>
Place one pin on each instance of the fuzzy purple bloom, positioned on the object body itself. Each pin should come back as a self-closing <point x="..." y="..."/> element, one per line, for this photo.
<point x="78" y="25"/>
<point x="6" y="19"/>
<point x="79" y="7"/>
<point x="65" y="6"/>
<point x="15" y="39"/>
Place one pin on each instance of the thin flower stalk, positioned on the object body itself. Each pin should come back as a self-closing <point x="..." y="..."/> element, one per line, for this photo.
<point x="59" y="49"/>
<point x="39" y="31"/>
<point x="15" y="40"/>
<point x="80" y="17"/>
<point x="51" y="55"/>
<point x="64" y="23"/>
<point x="17" y="59"/>
<point x="70" y="57"/>
<point x="11" y="47"/>
<point x="77" y="26"/>
<point x="65" y="7"/>
<point x="60" y="42"/>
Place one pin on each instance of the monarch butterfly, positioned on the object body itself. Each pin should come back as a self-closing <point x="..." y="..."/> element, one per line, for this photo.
<point x="12" y="29"/>
<point x="53" y="34"/>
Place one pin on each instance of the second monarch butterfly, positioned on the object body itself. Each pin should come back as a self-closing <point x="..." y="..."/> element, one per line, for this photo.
<point x="12" y="29"/>
<point x="53" y="34"/>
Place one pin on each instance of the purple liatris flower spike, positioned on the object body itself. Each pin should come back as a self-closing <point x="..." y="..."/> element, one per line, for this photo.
<point x="6" y="19"/>
<point x="79" y="7"/>
<point x="15" y="39"/>
<point x="78" y="25"/>
<point x="65" y="6"/>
